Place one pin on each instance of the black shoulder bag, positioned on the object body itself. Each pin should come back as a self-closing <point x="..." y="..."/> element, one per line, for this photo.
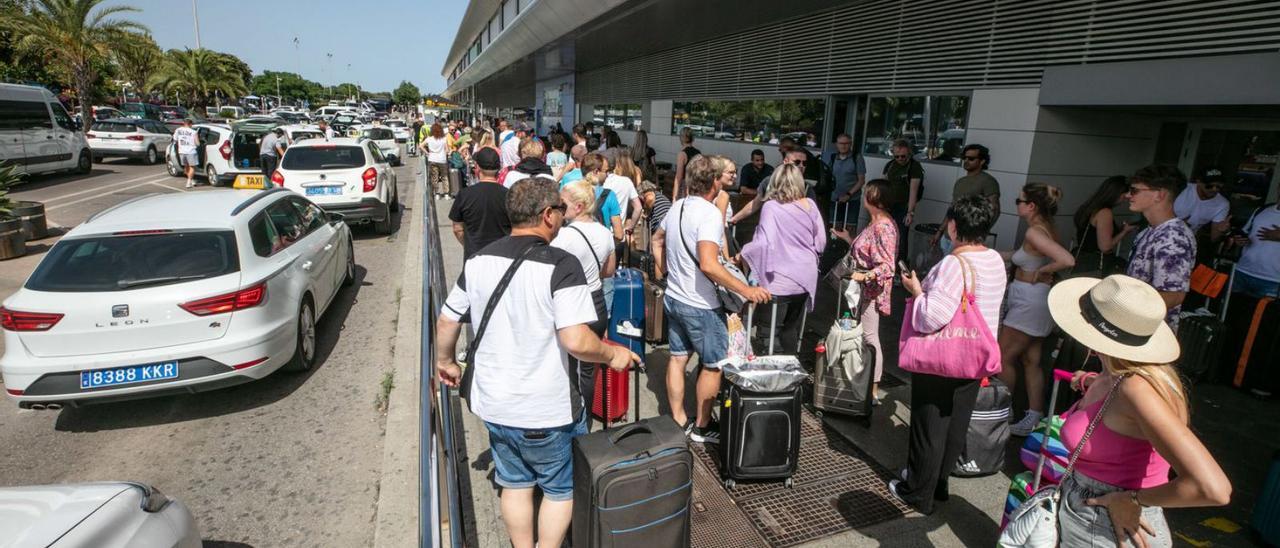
<point x="599" y="266"/>
<point x="732" y="302"/>
<point x="469" y="374"/>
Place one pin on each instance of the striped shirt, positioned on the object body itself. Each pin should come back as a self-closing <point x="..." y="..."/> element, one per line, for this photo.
<point x="661" y="205"/>
<point x="935" y="308"/>
<point x="522" y="377"/>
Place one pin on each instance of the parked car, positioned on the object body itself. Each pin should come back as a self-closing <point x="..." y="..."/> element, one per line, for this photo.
<point x="383" y="137"/>
<point x="245" y="163"/>
<point x="175" y="293"/>
<point x="214" y="155"/>
<point x="142" y="111"/>
<point x="301" y="132"/>
<point x="37" y="134"/>
<point x="342" y="123"/>
<point x="173" y="112"/>
<point x="344" y="175"/>
<point x="138" y="139"/>
<point x="402" y="131"/>
<point x="105" y="113"/>
<point x="95" y="515"/>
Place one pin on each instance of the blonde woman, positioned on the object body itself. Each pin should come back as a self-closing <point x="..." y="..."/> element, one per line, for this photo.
<point x="1026" y="321"/>
<point x="623" y="182"/>
<point x="686" y="155"/>
<point x="585" y="238"/>
<point x="726" y="172"/>
<point x="1120" y="484"/>
<point x="784" y="252"/>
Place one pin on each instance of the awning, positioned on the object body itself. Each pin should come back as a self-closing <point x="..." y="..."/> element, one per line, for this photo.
<point x="1225" y="80"/>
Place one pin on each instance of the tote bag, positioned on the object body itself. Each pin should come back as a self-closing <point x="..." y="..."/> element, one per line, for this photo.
<point x="963" y="349"/>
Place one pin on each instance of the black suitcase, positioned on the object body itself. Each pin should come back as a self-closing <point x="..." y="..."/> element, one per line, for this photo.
<point x="1202" y="340"/>
<point x="760" y="431"/>
<point x="633" y="486"/>
<point x="984" y="445"/>
<point x="836" y="250"/>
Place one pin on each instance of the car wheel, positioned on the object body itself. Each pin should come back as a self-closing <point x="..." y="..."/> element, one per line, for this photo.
<point x="85" y="163"/>
<point x="304" y="352"/>
<point x="97" y="159"/>
<point x="211" y="175"/>
<point x="384" y="226"/>
<point x="152" y="157"/>
<point x="350" y="278"/>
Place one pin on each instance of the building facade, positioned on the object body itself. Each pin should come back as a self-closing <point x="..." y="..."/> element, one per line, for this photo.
<point x="1066" y="92"/>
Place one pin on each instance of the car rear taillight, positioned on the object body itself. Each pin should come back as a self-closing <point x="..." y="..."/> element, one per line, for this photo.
<point x="90" y="136"/>
<point x="277" y="178"/>
<point x="248" y="297"/>
<point x="134" y="137"/>
<point x="15" y="320"/>
<point x="370" y="178"/>
<point x="225" y="150"/>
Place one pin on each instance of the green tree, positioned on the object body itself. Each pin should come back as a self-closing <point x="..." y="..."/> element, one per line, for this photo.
<point x="292" y="86"/>
<point x="237" y="66"/>
<point x="137" y="59"/>
<point x="345" y="90"/>
<point x="74" y="37"/>
<point x="406" y="94"/>
<point x="199" y="74"/>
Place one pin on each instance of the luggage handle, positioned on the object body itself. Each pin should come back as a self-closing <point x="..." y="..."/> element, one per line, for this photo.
<point x="628" y="431"/>
<point x="1059" y="375"/>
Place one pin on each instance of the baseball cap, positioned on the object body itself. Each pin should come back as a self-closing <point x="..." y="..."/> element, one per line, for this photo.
<point x="487" y="159"/>
<point x="1212" y="176"/>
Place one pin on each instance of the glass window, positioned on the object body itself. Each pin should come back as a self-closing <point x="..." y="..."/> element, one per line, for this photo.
<point x="121" y="262"/>
<point x="312" y="216"/>
<point x="263" y="235"/>
<point x="288" y="225"/>
<point x="323" y="157"/>
<point x="376" y="153"/>
<point x="61" y="117"/>
<point x="933" y="124"/>
<point x="628" y="116"/>
<point x="753" y="120"/>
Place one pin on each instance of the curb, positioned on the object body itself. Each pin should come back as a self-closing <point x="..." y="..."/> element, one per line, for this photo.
<point x="396" y="514"/>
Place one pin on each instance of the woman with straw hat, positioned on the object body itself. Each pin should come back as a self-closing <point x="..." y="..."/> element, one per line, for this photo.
<point x="1121" y="479"/>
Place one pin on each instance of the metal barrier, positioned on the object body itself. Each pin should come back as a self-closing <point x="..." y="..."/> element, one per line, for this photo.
<point x="438" y="487"/>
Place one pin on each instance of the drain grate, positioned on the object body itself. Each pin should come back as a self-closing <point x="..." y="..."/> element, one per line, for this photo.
<point x="717" y="523"/>
<point x="836" y="488"/>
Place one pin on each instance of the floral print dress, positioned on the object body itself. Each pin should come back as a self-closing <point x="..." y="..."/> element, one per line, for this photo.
<point x="875" y="249"/>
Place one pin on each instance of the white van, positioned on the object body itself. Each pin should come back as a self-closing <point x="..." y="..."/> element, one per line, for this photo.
<point x="37" y="134"/>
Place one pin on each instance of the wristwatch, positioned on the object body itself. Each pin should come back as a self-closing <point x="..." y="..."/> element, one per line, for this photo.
<point x="1133" y="496"/>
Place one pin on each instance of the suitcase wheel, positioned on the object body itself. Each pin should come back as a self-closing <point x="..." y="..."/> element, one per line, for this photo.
<point x="817" y="413"/>
<point x="729" y="483"/>
<point x="789" y="483"/>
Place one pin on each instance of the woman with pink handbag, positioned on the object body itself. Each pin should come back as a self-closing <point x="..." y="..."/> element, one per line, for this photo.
<point x="947" y="343"/>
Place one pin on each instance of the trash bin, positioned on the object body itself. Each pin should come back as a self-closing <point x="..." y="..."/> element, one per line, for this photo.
<point x="766" y="373"/>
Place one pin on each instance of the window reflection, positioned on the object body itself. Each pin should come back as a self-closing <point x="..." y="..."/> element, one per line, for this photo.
<point x="933" y="124"/>
<point x="754" y="121"/>
<point x="618" y="116"/>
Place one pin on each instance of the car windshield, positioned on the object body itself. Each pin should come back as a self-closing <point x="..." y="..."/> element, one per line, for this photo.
<point x="379" y="134"/>
<point x="323" y="157"/>
<point x="120" y="262"/>
<point x="114" y="127"/>
<point x="344" y="119"/>
<point x="395" y="123"/>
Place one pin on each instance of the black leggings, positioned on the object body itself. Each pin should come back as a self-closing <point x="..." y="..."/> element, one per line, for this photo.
<point x="940" y="412"/>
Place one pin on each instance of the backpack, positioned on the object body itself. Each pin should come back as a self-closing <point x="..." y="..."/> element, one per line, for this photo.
<point x="600" y="201"/>
<point x="920" y="193"/>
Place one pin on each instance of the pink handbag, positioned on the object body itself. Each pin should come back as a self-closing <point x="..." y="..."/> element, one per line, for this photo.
<point x="963" y="349"/>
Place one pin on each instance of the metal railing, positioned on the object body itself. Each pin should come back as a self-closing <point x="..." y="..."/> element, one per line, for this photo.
<point x="439" y="497"/>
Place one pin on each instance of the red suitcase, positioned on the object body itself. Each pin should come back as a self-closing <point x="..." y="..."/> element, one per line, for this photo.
<point x="611" y="391"/>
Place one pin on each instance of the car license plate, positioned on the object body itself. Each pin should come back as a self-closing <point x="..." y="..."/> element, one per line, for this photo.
<point x="324" y="190"/>
<point x="248" y="181"/>
<point x="128" y="375"/>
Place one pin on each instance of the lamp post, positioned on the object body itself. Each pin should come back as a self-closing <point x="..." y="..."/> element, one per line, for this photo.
<point x="196" y="18"/>
<point x="278" y="98"/>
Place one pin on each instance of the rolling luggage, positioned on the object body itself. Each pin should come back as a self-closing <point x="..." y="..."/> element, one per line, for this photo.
<point x="633" y="486"/>
<point x="1255" y="367"/>
<point x="836" y="250"/>
<point x="655" y="316"/>
<point x="1203" y="334"/>
<point x="984" y="446"/>
<point x="760" y="415"/>
<point x="1266" y="511"/>
<point x="845" y="368"/>
<point x="455" y="181"/>
<point x="626" y="321"/>
<point x="611" y="392"/>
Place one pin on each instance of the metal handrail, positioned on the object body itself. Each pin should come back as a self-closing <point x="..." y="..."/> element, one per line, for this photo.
<point x="436" y="428"/>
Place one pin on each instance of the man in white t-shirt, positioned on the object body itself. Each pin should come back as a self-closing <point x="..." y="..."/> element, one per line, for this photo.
<point x="509" y="144"/>
<point x="1202" y="203"/>
<point x="188" y="142"/>
<point x="695" y="318"/>
<point x="624" y="190"/>
<point x="1258" y="271"/>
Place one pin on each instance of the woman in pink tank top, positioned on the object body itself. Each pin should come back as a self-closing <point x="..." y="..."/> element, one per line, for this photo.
<point x="1120" y="484"/>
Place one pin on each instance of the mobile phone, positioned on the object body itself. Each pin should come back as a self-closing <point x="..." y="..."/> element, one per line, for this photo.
<point x="902" y="267"/>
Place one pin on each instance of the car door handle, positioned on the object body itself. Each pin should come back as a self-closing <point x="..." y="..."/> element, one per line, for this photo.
<point x="306" y="265"/>
<point x="328" y="247"/>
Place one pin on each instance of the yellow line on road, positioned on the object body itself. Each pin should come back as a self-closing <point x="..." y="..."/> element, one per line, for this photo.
<point x="113" y="191"/>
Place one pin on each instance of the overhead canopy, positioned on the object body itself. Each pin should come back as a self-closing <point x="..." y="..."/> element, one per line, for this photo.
<point x="1252" y="79"/>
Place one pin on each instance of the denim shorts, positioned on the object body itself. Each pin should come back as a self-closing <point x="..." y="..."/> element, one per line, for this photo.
<point x="524" y="457"/>
<point x="1082" y="525"/>
<point x="1254" y="286"/>
<point x="697" y="330"/>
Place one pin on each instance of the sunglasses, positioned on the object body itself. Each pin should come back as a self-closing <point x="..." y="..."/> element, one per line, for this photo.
<point x="1020" y="201"/>
<point x="561" y="208"/>
<point x="1137" y="189"/>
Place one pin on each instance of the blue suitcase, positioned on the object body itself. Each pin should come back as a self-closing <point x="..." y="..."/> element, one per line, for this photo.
<point x="626" y="322"/>
<point x="1266" y="512"/>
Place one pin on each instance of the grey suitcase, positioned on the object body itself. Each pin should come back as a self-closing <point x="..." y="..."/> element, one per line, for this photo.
<point x="633" y="486"/>
<point x="836" y="390"/>
<point x="455" y="181"/>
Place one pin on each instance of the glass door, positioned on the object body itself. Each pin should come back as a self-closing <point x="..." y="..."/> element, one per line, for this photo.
<point x="844" y="113"/>
<point x="1247" y="155"/>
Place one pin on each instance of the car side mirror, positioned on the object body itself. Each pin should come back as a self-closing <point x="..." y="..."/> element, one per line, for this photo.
<point x="336" y="218"/>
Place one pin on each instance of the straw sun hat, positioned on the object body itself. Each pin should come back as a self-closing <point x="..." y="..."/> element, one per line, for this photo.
<point x="1118" y="316"/>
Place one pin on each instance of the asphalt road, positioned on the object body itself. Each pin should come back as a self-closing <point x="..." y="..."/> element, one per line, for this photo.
<point x="290" y="460"/>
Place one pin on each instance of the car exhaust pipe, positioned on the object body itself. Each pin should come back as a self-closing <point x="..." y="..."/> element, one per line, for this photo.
<point x="53" y="407"/>
<point x="38" y="406"/>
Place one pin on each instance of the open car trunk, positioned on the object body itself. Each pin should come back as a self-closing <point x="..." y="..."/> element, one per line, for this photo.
<point x="244" y="149"/>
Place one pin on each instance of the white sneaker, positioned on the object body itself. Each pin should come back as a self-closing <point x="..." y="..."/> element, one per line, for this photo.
<point x="1028" y="423"/>
<point x="190" y="183"/>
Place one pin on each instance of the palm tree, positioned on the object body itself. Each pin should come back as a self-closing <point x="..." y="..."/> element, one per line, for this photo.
<point x="198" y="73"/>
<point x="137" y="57"/>
<point x="74" y="36"/>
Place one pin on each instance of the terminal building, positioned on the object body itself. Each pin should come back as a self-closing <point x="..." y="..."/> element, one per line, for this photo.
<point x="1066" y="92"/>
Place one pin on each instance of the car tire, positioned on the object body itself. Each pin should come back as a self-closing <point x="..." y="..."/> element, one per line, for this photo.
<point x="211" y="175"/>
<point x="384" y="226"/>
<point x="85" y="163"/>
<point x="153" y="157"/>
<point x="350" y="278"/>
<point x="97" y="159"/>
<point x="304" y="350"/>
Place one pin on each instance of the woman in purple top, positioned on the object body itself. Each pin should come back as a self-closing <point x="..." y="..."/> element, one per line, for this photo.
<point x="783" y="253"/>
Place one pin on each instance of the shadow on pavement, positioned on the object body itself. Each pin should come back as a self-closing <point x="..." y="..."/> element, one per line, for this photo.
<point x="225" y="544"/>
<point x="185" y="407"/>
<point x="37" y="182"/>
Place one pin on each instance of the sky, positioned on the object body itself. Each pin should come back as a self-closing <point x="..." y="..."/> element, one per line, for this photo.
<point x="384" y="42"/>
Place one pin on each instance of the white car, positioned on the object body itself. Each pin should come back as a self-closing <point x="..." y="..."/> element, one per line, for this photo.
<point x="36" y="133"/>
<point x="214" y="155"/>
<point x="174" y="293"/>
<point x="402" y="131"/>
<point x="384" y="137"/>
<point x="300" y="132"/>
<point x="95" y="515"/>
<point x="135" y="138"/>
<point x="343" y="175"/>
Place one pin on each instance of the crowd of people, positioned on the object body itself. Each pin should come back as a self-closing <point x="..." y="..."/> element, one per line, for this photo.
<point x="544" y="221"/>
